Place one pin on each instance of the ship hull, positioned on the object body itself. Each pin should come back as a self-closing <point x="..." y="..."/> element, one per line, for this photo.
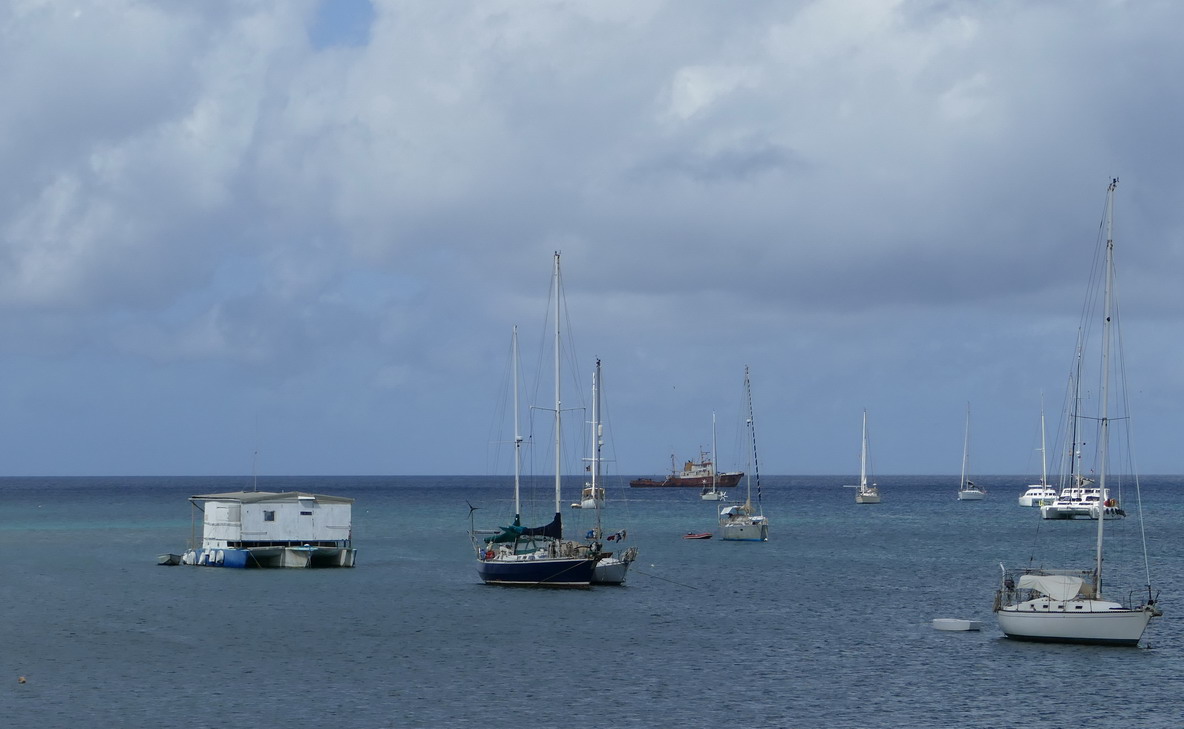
<point x="723" y="480"/>
<point x="522" y="572"/>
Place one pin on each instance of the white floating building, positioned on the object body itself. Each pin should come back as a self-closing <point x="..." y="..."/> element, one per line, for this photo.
<point x="270" y="529"/>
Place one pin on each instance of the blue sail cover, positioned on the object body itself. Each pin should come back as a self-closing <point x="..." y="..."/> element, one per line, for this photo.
<point x="554" y="530"/>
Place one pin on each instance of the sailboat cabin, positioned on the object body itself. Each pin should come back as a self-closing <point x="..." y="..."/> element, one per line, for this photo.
<point x="273" y="529"/>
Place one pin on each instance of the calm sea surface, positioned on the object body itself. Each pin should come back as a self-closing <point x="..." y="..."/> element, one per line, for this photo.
<point x="825" y="625"/>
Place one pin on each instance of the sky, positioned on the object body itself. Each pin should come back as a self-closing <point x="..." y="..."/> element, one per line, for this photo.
<point x="293" y="237"/>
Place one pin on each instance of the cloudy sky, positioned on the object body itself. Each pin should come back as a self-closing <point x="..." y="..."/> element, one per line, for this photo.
<point x="306" y="228"/>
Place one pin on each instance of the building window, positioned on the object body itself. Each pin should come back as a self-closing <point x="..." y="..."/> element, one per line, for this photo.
<point x="306" y="513"/>
<point x="269" y="516"/>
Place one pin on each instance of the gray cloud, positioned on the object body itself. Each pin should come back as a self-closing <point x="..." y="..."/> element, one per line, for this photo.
<point x="327" y="221"/>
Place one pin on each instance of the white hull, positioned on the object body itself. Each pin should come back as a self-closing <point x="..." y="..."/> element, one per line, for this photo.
<point x="610" y="572"/>
<point x="756" y="530"/>
<point x="971" y="495"/>
<point x="1038" y="496"/>
<point x="277" y="556"/>
<point x="954" y="624"/>
<point x="1074" y="621"/>
<point x="714" y="496"/>
<point x="1079" y="511"/>
<point x="613" y="569"/>
<point x="867" y="497"/>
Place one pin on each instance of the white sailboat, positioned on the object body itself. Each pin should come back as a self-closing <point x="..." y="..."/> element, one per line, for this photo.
<point x="1042" y="493"/>
<point x="1065" y="605"/>
<point x="536" y="556"/>
<point x="743" y="522"/>
<point x="713" y="492"/>
<point x="967" y="489"/>
<point x="590" y="498"/>
<point x="868" y="493"/>
<point x="613" y="567"/>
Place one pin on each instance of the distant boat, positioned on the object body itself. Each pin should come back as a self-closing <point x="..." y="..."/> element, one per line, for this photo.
<point x="967" y="489"/>
<point x="868" y="493"/>
<point x="697" y="535"/>
<point x="712" y="492"/>
<point x="273" y="529"/>
<point x="1042" y="493"/>
<point x="956" y="624"/>
<point x="590" y="498"/>
<point x="613" y="567"/>
<point x="694" y="474"/>
<point x="1038" y="495"/>
<point x="1085" y="500"/>
<point x="744" y="522"/>
<point x="1067" y="606"/>
<point x="536" y="556"/>
<point x="1081" y="497"/>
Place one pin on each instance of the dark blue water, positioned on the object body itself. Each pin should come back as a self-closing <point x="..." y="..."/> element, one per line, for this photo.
<point x="827" y="624"/>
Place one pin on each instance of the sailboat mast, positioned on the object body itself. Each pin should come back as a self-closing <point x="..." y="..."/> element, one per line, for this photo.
<point x="517" y="434"/>
<point x="714" y="456"/>
<point x="597" y="442"/>
<point x="1104" y="435"/>
<point x="863" y="457"/>
<point x="1075" y="477"/>
<point x="965" y="449"/>
<point x="752" y="430"/>
<point x="1043" y="451"/>
<point x="558" y="404"/>
<point x="595" y="426"/>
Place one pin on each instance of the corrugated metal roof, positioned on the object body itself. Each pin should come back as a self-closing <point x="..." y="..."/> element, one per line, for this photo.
<point x="257" y="497"/>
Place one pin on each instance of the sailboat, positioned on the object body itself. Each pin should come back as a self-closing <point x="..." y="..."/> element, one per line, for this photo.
<point x="968" y="490"/>
<point x="1040" y="494"/>
<point x="868" y="493"/>
<point x="537" y="556"/>
<point x="612" y="567"/>
<point x="713" y="492"/>
<point x="1067" y="606"/>
<point x="743" y="522"/>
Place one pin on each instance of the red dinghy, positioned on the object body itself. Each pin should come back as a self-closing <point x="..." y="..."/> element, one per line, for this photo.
<point x="701" y="535"/>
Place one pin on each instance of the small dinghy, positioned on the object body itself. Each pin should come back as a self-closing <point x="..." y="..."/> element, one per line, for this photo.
<point x="700" y="535"/>
<point x="957" y="624"/>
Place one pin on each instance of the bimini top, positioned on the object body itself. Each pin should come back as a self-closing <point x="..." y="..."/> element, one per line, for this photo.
<point x="272" y="497"/>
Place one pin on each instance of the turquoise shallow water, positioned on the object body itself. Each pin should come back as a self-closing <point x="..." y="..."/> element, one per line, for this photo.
<point x="827" y="624"/>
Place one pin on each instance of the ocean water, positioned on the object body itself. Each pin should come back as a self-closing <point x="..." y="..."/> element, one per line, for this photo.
<point x="826" y="624"/>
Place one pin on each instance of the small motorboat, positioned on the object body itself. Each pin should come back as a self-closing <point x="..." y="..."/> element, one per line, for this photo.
<point x="956" y="624"/>
<point x="699" y="535"/>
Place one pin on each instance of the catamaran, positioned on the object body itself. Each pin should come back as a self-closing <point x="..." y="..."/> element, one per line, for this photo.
<point x="1043" y="493"/>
